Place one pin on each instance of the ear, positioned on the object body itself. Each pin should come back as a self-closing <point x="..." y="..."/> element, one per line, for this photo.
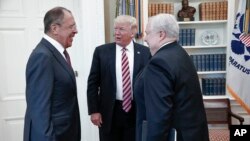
<point x="133" y="32"/>
<point x="53" y="28"/>
<point x="163" y="34"/>
<point x="132" y="35"/>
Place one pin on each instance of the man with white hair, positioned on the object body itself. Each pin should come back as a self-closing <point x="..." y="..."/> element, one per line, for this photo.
<point x="167" y="92"/>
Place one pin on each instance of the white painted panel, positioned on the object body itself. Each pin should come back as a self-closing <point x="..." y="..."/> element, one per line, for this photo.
<point x="13" y="128"/>
<point x="11" y="121"/>
<point x="45" y="5"/>
<point x="11" y="8"/>
<point x="13" y="44"/>
<point x="12" y="108"/>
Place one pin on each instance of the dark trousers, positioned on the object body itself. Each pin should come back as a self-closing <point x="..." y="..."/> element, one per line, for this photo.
<point x="123" y="125"/>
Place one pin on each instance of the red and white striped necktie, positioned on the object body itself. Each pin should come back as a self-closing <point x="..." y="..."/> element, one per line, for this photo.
<point x="126" y="82"/>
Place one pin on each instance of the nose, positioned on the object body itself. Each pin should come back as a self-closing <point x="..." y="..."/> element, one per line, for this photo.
<point x="75" y="30"/>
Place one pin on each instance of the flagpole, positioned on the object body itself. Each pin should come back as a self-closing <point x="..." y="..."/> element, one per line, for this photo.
<point x="246" y="18"/>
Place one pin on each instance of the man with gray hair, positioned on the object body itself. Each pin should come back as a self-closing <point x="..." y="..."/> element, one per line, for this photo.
<point x="167" y="92"/>
<point x="52" y="112"/>
<point x="113" y="71"/>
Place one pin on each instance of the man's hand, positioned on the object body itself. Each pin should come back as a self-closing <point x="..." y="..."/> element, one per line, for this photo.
<point x="96" y="119"/>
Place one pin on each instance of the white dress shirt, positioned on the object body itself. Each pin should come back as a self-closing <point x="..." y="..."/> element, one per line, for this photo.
<point x="130" y="54"/>
<point x="56" y="44"/>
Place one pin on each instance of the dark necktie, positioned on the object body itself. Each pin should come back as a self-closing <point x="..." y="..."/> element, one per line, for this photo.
<point x="67" y="57"/>
<point x="126" y="82"/>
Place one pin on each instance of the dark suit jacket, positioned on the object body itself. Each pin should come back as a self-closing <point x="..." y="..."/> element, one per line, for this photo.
<point x="101" y="93"/>
<point x="52" y="112"/>
<point x="168" y="95"/>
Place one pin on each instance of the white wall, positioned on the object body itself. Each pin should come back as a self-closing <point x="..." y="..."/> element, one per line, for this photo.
<point x="91" y="34"/>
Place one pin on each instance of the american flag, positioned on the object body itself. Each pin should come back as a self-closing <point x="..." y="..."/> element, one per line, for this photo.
<point x="245" y="39"/>
<point x="238" y="70"/>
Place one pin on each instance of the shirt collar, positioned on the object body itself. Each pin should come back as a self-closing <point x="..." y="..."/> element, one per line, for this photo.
<point x="166" y="43"/>
<point x="55" y="43"/>
<point x="129" y="47"/>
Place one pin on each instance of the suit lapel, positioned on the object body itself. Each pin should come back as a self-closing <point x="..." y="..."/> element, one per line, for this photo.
<point x="59" y="58"/>
<point x="137" y="57"/>
<point x="112" y="64"/>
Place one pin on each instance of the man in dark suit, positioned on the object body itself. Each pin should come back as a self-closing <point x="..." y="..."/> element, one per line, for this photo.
<point x="167" y="92"/>
<point x="107" y="106"/>
<point x="52" y="112"/>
